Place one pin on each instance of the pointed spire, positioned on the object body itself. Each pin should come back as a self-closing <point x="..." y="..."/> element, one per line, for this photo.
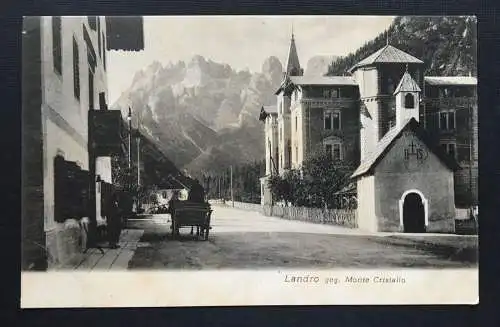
<point x="292" y="63"/>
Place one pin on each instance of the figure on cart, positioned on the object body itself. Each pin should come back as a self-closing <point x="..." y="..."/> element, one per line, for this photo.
<point x="194" y="212"/>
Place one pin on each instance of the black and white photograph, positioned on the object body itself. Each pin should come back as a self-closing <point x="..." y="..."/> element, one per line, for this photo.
<point x="329" y="159"/>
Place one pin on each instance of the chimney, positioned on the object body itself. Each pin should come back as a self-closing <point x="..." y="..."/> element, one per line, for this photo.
<point x="102" y="101"/>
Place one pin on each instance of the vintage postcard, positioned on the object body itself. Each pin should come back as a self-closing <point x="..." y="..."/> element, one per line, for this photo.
<point x="249" y="160"/>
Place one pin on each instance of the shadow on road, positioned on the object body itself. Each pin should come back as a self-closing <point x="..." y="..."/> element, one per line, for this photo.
<point x="271" y="250"/>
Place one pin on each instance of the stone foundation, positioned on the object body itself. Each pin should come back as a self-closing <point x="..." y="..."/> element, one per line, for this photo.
<point x="65" y="244"/>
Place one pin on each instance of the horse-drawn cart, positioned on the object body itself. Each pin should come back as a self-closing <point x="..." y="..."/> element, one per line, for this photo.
<point x="191" y="214"/>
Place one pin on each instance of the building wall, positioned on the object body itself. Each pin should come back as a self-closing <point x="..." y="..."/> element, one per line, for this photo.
<point x="33" y="236"/>
<point x="368" y="82"/>
<point x="311" y="133"/>
<point x="465" y="107"/>
<point x="271" y="142"/>
<point x="431" y="177"/>
<point x="284" y="133"/>
<point x="65" y="123"/>
<point x="367" y="204"/>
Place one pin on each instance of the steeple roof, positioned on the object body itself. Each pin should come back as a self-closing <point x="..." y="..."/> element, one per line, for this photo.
<point x="407" y="84"/>
<point x="388" y="54"/>
<point x="292" y="62"/>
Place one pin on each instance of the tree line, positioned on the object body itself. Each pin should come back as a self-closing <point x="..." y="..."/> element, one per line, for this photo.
<point x="318" y="184"/>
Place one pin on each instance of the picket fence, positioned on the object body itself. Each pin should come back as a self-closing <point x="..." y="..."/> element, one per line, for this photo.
<point x="341" y="217"/>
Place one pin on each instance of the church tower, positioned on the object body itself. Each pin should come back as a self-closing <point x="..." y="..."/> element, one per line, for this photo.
<point x="378" y="76"/>
<point x="284" y="98"/>
<point x="407" y="96"/>
<point x="292" y="62"/>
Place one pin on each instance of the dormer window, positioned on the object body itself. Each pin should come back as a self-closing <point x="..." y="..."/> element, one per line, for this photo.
<point x="409" y="101"/>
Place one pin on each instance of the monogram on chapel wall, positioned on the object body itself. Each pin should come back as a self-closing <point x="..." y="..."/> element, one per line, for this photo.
<point x="413" y="151"/>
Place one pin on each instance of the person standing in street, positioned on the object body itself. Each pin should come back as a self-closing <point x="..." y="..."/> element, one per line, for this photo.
<point x="114" y="220"/>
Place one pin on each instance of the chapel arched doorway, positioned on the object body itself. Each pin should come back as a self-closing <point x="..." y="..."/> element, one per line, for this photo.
<point x="413" y="214"/>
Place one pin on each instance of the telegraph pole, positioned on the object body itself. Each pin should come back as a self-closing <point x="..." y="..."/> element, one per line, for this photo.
<point x="231" y="180"/>
<point x="129" y="119"/>
<point x="138" y="160"/>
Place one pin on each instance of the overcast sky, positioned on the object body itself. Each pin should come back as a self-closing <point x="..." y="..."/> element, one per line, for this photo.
<point x="243" y="42"/>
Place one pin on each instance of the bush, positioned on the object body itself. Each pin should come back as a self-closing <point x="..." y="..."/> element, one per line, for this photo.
<point x="314" y="185"/>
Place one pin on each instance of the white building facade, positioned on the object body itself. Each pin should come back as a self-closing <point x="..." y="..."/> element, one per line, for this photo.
<point x="64" y="80"/>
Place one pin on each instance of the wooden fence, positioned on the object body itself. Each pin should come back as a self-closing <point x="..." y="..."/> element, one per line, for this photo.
<point x="341" y="217"/>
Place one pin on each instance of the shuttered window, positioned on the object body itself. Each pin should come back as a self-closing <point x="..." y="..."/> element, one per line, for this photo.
<point x="56" y="44"/>
<point x="76" y="70"/>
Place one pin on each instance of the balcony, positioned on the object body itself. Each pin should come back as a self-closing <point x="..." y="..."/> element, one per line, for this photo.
<point x="328" y="102"/>
<point x="451" y="102"/>
<point x="108" y="132"/>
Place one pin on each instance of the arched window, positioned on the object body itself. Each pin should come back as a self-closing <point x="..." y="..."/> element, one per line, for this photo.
<point x="409" y="101"/>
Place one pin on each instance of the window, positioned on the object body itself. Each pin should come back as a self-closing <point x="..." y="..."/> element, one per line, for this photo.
<point x="450" y="149"/>
<point x="328" y="120"/>
<point x="281" y="136"/>
<point x="335" y="93"/>
<point x="326" y="93"/>
<point x="332" y="120"/>
<point x="409" y="101"/>
<point x="99" y="37"/>
<point x="444" y="92"/>
<point x="76" y="70"/>
<point x="296" y="123"/>
<point x="329" y="150"/>
<point x="56" y="44"/>
<point x="390" y="86"/>
<point x="104" y="50"/>
<point x="295" y="95"/>
<point x="91" y="89"/>
<point x="447" y="120"/>
<point x="334" y="151"/>
<point x="296" y="153"/>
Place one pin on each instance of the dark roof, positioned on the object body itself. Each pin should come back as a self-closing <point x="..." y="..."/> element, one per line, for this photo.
<point x="292" y="61"/>
<point x="387" y="54"/>
<point x="450" y="80"/>
<point x="386" y="143"/>
<point x="271" y="109"/>
<point x="323" y="80"/>
<point x="407" y="84"/>
<point x="294" y="81"/>
<point x="125" y="33"/>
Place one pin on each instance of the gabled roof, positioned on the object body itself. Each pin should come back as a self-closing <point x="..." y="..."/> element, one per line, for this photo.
<point x="387" y="142"/>
<point x="450" y="80"/>
<point x="407" y="84"/>
<point x="387" y="54"/>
